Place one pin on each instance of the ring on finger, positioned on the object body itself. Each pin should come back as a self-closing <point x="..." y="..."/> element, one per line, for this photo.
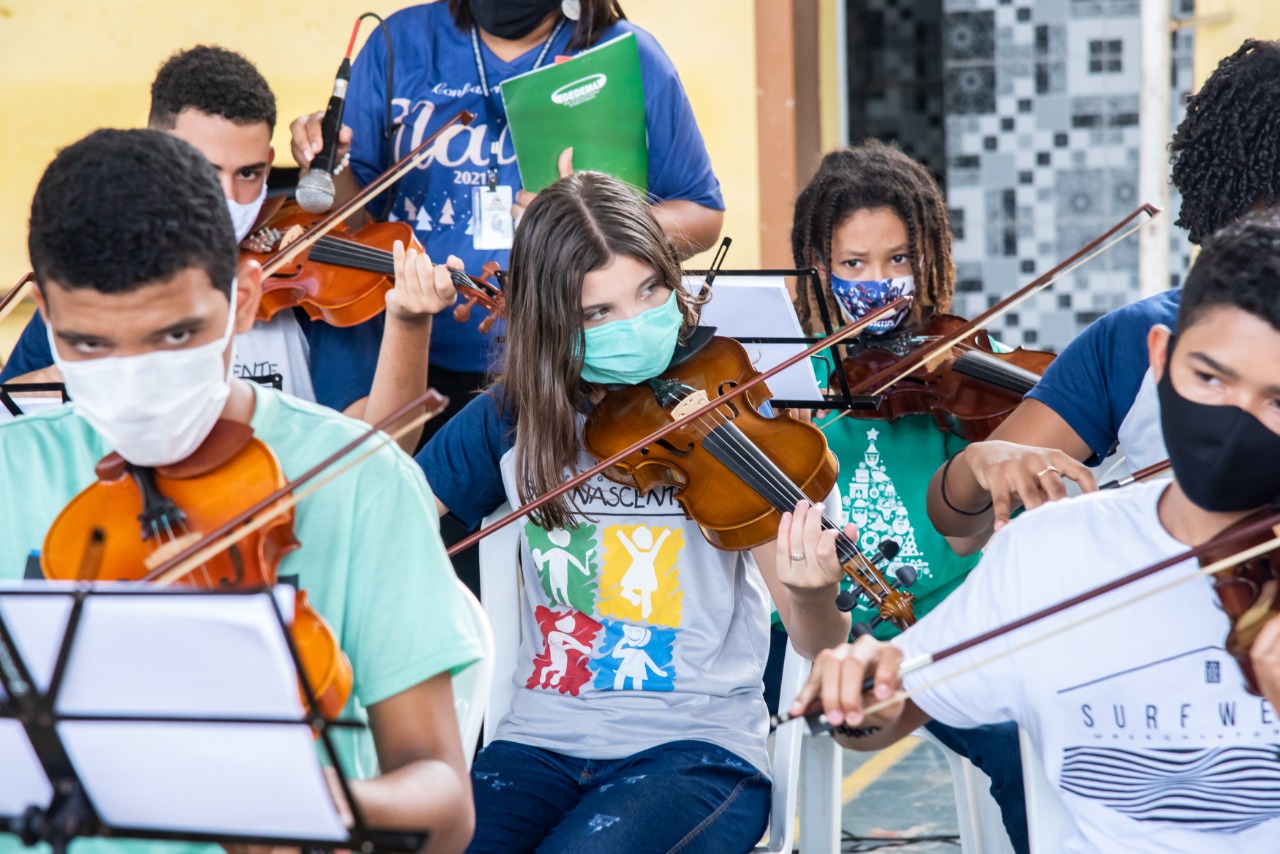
<point x="795" y="556"/>
<point x="1045" y="471"/>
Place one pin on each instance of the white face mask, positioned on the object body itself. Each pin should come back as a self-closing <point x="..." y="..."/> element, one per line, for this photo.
<point x="156" y="408"/>
<point x="244" y="216"/>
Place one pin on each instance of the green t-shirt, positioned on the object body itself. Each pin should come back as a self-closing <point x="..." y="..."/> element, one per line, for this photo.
<point x="371" y="560"/>
<point x="885" y="469"/>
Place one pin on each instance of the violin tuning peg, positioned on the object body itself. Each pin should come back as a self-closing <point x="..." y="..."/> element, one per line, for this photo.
<point x="864" y="627"/>
<point x="887" y="550"/>
<point x="906" y="575"/>
<point x="486" y="325"/>
<point x="847" y="601"/>
<point x="462" y="312"/>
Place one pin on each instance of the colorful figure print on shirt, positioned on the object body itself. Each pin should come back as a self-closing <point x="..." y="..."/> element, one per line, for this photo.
<point x="874" y="505"/>
<point x="567" y="637"/>
<point x="637" y="658"/>
<point x="638" y="580"/>
<point x="563" y="560"/>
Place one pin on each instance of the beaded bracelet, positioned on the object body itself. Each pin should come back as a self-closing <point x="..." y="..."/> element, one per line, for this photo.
<point x="855" y="732"/>
<point x="346" y="159"/>
<point x="947" y="501"/>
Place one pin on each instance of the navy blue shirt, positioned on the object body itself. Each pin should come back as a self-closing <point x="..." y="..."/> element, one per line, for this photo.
<point x="462" y="461"/>
<point x="1094" y="381"/>
<point x="342" y="359"/>
<point x="435" y="77"/>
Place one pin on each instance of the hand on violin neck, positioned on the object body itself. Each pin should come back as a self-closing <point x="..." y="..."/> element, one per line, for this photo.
<point x="422" y="289"/>
<point x="807" y="562"/>
<point x="834" y="688"/>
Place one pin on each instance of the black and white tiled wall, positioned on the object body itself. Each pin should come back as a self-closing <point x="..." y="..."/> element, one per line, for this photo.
<point x="1040" y="110"/>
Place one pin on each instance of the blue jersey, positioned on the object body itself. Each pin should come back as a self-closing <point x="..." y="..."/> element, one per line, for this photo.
<point x="1095" y="380"/>
<point x="341" y="360"/>
<point x="436" y="75"/>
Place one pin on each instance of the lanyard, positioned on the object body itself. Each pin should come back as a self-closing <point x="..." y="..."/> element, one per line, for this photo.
<point x="498" y="116"/>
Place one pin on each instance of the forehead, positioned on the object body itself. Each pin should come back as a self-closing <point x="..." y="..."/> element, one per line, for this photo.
<point x="619" y="278"/>
<point x="1236" y="338"/>
<point x="188" y="294"/>
<point x="871" y="228"/>
<point x="223" y="142"/>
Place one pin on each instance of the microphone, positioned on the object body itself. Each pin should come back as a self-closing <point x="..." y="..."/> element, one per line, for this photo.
<point x="316" y="191"/>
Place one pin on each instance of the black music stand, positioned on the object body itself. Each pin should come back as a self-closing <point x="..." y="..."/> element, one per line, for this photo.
<point x="83" y="758"/>
<point x="9" y="390"/>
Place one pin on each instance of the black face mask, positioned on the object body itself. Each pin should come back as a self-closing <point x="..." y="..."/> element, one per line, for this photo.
<point x="510" y="19"/>
<point x="1226" y="460"/>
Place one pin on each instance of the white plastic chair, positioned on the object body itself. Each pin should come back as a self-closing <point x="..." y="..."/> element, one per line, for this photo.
<point x="977" y="813"/>
<point x="502" y="592"/>
<point x="471" y="685"/>
<point x="1047" y="818"/>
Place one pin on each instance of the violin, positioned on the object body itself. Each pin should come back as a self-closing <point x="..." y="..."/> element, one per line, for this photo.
<point x="147" y="514"/>
<point x="708" y="459"/>
<point x="968" y="390"/>
<point x="1249" y="591"/>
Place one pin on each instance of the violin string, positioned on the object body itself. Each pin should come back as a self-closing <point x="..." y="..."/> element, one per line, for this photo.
<point x="1200" y="572"/>
<point x="338" y="250"/>
<point x="786" y="491"/>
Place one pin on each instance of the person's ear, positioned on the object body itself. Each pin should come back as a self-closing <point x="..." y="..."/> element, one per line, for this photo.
<point x="271" y="158"/>
<point x="37" y="294"/>
<point x="1158" y="349"/>
<point x="248" y="294"/>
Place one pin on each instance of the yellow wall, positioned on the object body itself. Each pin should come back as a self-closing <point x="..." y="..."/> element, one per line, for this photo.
<point x="1224" y="24"/>
<point x="89" y="64"/>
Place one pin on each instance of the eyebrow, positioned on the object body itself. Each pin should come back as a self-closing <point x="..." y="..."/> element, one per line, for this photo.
<point x="218" y="167"/>
<point x="1214" y="365"/>
<point x="896" y="250"/>
<point x="650" y="281"/>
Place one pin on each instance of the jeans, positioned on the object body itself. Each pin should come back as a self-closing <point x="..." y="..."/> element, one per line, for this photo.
<point x="685" y="796"/>
<point x="994" y="750"/>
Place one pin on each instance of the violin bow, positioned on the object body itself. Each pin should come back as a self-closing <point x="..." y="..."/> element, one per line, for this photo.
<point x="1138" y="476"/>
<point x="235" y="529"/>
<point x="714" y="403"/>
<point x="881" y="381"/>
<point x="1270" y="522"/>
<point x="10" y="300"/>
<point x="397" y="171"/>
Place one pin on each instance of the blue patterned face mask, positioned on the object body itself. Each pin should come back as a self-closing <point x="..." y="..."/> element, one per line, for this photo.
<point x="858" y="298"/>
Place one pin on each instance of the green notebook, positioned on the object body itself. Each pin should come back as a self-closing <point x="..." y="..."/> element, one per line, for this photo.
<point x="593" y="103"/>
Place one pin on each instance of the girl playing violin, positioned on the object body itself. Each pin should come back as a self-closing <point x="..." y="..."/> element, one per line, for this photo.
<point x="875" y="225"/>
<point x="639" y="721"/>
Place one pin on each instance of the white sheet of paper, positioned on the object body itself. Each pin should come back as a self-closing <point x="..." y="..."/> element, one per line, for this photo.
<point x="22" y="780"/>
<point x="760" y="307"/>
<point x="214" y="778"/>
<point x="30" y="405"/>
<point x="37" y="624"/>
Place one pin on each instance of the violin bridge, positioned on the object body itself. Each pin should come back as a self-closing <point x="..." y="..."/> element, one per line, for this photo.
<point x="169" y="549"/>
<point x="688" y="405"/>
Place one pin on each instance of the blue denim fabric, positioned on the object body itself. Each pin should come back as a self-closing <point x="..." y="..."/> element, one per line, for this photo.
<point x="684" y="796"/>
<point x="994" y="749"/>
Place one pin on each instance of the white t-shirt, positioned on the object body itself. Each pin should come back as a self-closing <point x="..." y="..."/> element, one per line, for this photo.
<point x="1140" y="717"/>
<point x="277" y="346"/>
<point x="1140" y="436"/>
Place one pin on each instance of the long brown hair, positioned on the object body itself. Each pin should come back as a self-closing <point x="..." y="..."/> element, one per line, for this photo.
<point x="596" y="17"/>
<point x="576" y="225"/>
<point x="864" y="177"/>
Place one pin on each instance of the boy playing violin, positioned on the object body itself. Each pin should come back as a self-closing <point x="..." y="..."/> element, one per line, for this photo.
<point x="217" y="101"/>
<point x="142" y="295"/>
<point x="1140" y="716"/>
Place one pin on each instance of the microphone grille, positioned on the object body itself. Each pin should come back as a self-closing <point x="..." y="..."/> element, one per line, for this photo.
<point x="315" y="192"/>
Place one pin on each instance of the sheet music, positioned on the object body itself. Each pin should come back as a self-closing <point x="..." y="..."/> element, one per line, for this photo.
<point x="29" y="404"/>
<point x="760" y="307"/>
<point x="22" y="782"/>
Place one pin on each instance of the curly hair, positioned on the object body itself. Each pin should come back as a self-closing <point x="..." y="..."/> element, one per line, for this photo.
<point x="872" y="175"/>
<point x="1238" y="267"/>
<point x="125" y="208"/>
<point x="596" y="17"/>
<point x="1226" y="152"/>
<point x="215" y="81"/>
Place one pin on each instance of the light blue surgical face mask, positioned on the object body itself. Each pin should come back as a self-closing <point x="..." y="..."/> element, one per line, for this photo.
<point x="628" y="352"/>
<point x="858" y="298"/>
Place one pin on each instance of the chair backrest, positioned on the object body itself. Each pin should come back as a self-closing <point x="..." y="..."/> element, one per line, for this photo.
<point x="1047" y="817"/>
<point x="471" y="686"/>
<point x="786" y="761"/>
<point x="977" y="813"/>
<point x="501" y="594"/>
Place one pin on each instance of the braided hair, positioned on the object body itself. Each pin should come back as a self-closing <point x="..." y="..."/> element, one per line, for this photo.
<point x="1226" y="152"/>
<point x="872" y="175"/>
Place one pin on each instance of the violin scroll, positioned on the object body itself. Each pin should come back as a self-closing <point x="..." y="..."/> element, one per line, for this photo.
<point x="475" y="290"/>
<point x="1249" y="594"/>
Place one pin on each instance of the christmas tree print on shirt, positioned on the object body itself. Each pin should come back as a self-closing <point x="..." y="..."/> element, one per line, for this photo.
<point x="567" y="637"/>
<point x="874" y="505"/>
<point x="564" y="559"/>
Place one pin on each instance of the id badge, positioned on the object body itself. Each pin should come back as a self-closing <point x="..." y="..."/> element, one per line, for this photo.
<point x="492" y="226"/>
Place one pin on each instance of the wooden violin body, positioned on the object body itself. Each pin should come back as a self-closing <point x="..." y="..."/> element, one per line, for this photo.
<point x="724" y="480"/>
<point x="148" y="513"/>
<point x="1249" y="593"/>
<point x="969" y="391"/>
<point x="343" y="279"/>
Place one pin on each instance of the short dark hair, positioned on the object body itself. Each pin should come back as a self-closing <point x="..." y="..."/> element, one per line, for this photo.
<point x="125" y="208"/>
<point x="215" y="81"/>
<point x="1238" y="267"/>
<point x="869" y="175"/>
<point x="596" y="17"/>
<point x="1226" y="152"/>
